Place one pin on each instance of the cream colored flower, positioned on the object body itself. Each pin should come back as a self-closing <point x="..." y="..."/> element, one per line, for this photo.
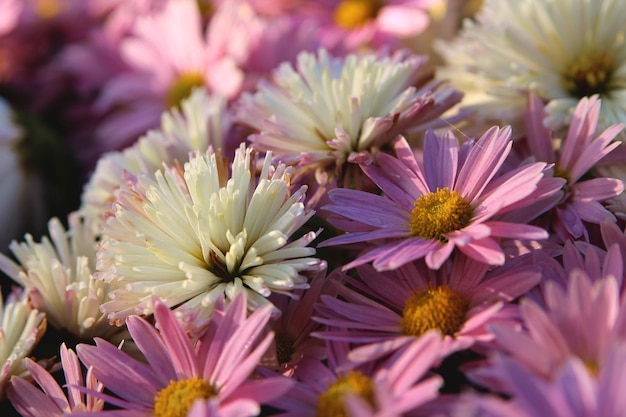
<point x="58" y="276"/>
<point x="21" y="327"/>
<point x="195" y="235"/>
<point x="201" y="122"/>
<point x="562" y="50"/>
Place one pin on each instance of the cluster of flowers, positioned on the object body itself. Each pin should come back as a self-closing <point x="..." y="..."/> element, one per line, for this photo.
<point x="313" y="208"/>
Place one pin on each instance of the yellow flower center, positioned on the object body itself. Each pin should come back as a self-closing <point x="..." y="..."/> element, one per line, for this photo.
<point x="182" y="87"/>
<point x="48" y="9"/>
<point x="351" y="14"/>
<point x="331" y="402"/>
<point x="439" y="308"/>
<point x="589" y="75"/>
<point x="284" y="347"/>
<point x="176" y="399"/>
<point x="438" y="213"/>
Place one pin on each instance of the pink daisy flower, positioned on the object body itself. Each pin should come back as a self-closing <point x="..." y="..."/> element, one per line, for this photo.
<point x="389" y="310"/>
<point x="347" y="25"/>
<point x="167" y="56"/>
<point x="580" y="150"/>
<point x="584" y="320"/>
<point x="399" y="385"/>
<point x="450" y="201"/>
<point x="573" y="391"/>
<point x="178" y="372"/>
<point x="50" y="400"/>
<point x="293" y="328"/>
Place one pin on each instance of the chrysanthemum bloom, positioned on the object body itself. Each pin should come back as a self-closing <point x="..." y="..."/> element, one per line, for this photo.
<point x="577" y="153"/>
<point x="556" y="330"/>
<point x="385" y="311"/>
<point x="21" y="327"/>
<point x="193" y="237"/>
<point x="448" y="202"/>
<point x="348" y="25"/>
<point x="396" y="387"/>
<point x="292" y="330"/>
<point x="58" y="276"/>
<point x="573" y="391"/>
<point x="50" y="400"/>
<point x="514" y="47"/>
<point x="178" y="372"/>
<point x="201" y="121"/>
<point x="328" y="111"/>
<point x="167" y="57"/>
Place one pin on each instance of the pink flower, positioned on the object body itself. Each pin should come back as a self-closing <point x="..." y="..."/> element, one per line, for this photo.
<point x="50" y="400"/>
<point x="585" y="320"/>
<point x="578" y="153"/>
<point x="167" y="56"/>
<point x="178" y="372"/>
<point x="447" y="202"/>
<point x="347" y="25"/>
<point x="399" y="385"/>
<point x="387" y="311"/>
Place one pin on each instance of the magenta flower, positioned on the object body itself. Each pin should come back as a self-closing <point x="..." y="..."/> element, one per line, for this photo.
<point x="167" y="56"/>
<point x="585" y="320"/>
<point x="448" y="202"/>
<point x="292" y="330"/>
<point x="578" y="153"/>
<point x="399" y="385"/>
<point x="178" y="372"/>
<point x="573" y="391"/>
<point x="50" y="400"/>
<point x="389" y="310"/>
<point x="347" y="25"/>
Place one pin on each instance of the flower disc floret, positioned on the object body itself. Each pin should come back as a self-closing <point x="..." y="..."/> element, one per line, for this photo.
<point x="440" y="308"/>
<point x="351" y="14"/>
<point x="331" y="402"/>
<point x="176" y="399"/>
<point x="438" y="213"/>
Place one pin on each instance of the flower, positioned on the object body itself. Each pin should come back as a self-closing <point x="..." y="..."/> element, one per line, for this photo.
<point x="21" y="327"/>
<point x="446" y="203"/>
<point x="556" y="331"/>
<point x="513" y="48"/>
<point x="384" y="311"/>
<point x="292" y="330"/>
<point x="348" y="25"/>
<point x="396" y="387"/>
<point x="202" y="121"/>
<point x="577" y="154"/>
<point x="328" y="111"/>
<point x="58" y="276"/>
<point x="50" y="401"/>
<point x="178" y="372"/>
<point x="167" y="56"/>
<point x="573" y="391"/>
<point x="193" y="237"/>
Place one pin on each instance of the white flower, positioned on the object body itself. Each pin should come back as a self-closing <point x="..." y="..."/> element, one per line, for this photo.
<point x="192" y="237"/>
<point x="21" y="327"/>
<point x="329" y="110"/>
<point x="58" y="276"/>
<point x="562" y="50"/>
<point x="203" y="122"/>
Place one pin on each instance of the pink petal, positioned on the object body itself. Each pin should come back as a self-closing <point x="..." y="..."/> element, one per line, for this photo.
<point x="177" y="342"/>
<point x="484" y="250"/>
<point x="402" y="21"/>
<point x="517" y="231"/>
<point x="441" y="156"/>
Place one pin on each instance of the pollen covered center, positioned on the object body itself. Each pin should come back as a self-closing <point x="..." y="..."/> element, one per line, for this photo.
<point x="440" y="308"/>
<point x="182" y="87"/>
<point x="589" y="75"/>
<point x="331" y="402"/>
<point x="351" y="14"/>
<point x="438" y="213"/>
<point x="176" y="399"/>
